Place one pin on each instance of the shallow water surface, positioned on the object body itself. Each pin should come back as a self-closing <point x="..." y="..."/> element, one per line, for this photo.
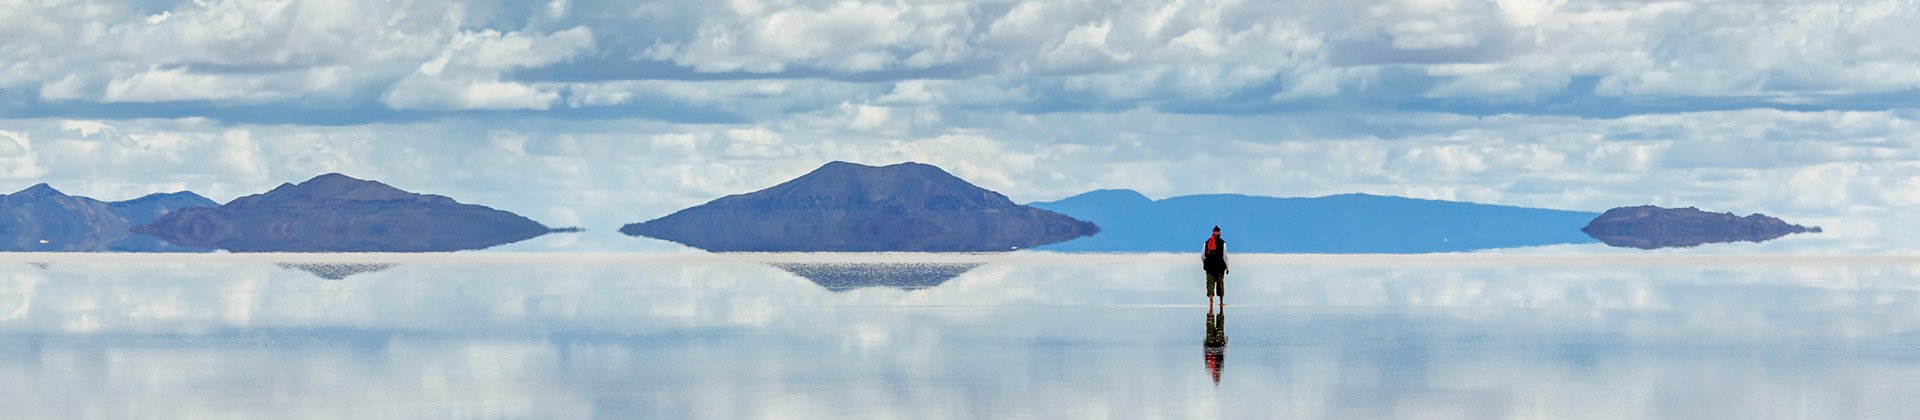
<point x="1036" y="338"/>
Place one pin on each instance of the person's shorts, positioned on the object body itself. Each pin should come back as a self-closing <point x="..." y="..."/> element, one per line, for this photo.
<point x="1216" y="284"/>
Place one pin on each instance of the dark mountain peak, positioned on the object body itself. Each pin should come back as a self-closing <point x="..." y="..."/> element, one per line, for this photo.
<point x="336" y="187"/>
<point x="1650" y="227"/>
<point x="181" y="198"/>
<point x="341" y="187"/>
<point x="844" y="169"/>
<point x="849" y="170"/>
<point x="841" y="165"/>
<point x="146" y="209"/>
<point x="40" y="190"/>
<point x="852" y="207"/>
<point x="334" y="177"/>
<point x="841" y="184"/>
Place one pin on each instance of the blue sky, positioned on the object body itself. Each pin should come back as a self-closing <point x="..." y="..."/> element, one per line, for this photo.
<point x="601" y="113"/>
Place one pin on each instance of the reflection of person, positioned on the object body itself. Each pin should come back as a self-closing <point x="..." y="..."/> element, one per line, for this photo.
<point x="1216" y="344"/>
<point x="1214" y="260"/>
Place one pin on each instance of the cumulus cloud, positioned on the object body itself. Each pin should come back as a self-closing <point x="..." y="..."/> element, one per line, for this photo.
<point x="1107" y="54"/>
<point x="846" y="36"/>
<point x="435" y="55"/>
<point x="16" y="151"/>
<point x="466" y="75"/>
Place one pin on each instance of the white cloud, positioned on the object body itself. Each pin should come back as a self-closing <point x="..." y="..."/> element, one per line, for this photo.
<point x="183" y="84"/>
<point x="423" y="54"/>
<point x="423" y="93"/>
<point x="16" y="153"/>
<point x="467" y="74"/>
<point x="755" y="143"/>
<point x="845" y="36"/>
<point x="217" y="50"/>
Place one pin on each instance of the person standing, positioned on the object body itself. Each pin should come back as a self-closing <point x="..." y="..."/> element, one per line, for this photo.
<point x="1214" y="260"/>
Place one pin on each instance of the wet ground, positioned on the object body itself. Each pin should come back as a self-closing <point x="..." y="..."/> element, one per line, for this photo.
<point x="1109" y="336"/>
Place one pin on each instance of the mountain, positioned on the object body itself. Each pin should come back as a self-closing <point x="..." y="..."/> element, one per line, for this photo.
<point x="1338" y="224"/>
<point x="41" y="218"/>
<point x="337" y="213"/>
<point x="1651" y="227"/>
<point x="144" y="210"/>
<point x="848" y="207"/>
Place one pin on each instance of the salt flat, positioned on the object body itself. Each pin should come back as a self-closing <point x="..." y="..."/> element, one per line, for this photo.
<point x="956" y="336"/>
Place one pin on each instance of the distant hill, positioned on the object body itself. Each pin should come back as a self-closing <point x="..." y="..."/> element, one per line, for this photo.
<point x="849" y="207"/>
<point x="43" y="219"/>
<point x="146" y="209"/>
<point x="1338" y="224"/>
<point x="337" y="213"/>
<point x="1651" y="227"/>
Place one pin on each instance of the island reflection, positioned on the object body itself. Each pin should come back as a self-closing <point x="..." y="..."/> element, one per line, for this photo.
<point x="337" y="271"/>
<point x="737" y="340"/>
<point x="840" y="277"/>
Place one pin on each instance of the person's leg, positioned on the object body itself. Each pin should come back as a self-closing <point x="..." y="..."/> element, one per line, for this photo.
<point x="1222" y="286"/>
<point x="1213" y="288"/>
<point x="1208" y="282"/>
<point x="1209" y="285"/>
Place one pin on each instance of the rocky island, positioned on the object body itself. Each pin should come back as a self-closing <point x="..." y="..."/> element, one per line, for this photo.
<point x="337" y="213"/>
<point x="847" y="207"/>
<point x="1651" y="227"/>
<point x="43" y="219"/>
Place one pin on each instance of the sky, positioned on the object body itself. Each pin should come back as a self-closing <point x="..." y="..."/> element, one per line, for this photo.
<point x="595" y="114"/>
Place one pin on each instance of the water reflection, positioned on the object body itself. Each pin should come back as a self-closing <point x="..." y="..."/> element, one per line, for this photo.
<point x="840" y="277"/>
<point x="87" y="239"/>
<point x="336" y="271"/>
<point x="1215" y="345"/>
<point x="1663" y="239"/>
<point x="1044" y="339"/>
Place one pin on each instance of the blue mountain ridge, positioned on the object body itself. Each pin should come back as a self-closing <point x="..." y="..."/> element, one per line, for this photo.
<point x="1336" y="224"/>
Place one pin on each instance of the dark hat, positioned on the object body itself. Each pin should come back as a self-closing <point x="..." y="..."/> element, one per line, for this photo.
<point x="1216" y="228"/>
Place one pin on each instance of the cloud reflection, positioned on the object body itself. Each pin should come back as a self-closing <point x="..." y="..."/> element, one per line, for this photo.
<point x="1042" y="338"/>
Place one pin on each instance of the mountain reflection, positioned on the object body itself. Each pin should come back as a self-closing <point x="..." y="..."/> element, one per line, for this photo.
<point x="734" y="339"/>
<point x="84" y="240"/>
<point x="337" y="271"/>
<point x="1662" y="240"/>
<point x="840" y="277"/>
